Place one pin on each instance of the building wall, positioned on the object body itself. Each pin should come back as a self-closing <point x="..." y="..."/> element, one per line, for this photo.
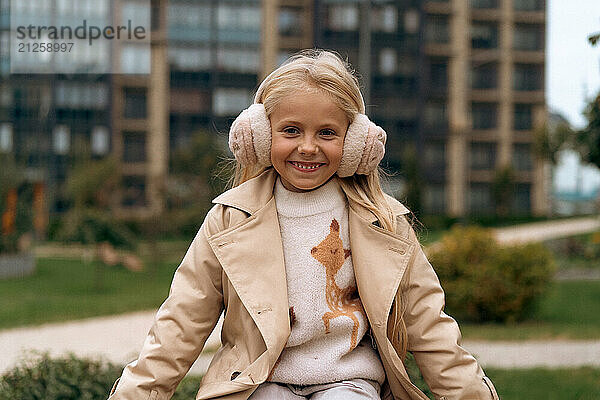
<point x="460" y="82"/>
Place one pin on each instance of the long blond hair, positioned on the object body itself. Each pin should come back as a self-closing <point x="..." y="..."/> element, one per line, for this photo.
<point x="329" y="74"/>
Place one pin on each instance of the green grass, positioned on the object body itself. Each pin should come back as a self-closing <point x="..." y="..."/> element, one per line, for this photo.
<point x="568" y="311"/>
<point x="65" y="289"/>
<point x="555" y="384"/>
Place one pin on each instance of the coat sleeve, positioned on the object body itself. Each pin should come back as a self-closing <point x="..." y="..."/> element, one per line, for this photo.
<point x="434" y="337"/>
<point x="181" y="326"/>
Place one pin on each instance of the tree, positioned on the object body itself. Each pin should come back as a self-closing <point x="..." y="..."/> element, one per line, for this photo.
<point x="588" y="138"/>
<point x="503" y="189"/>
<point x="551" y="138"/>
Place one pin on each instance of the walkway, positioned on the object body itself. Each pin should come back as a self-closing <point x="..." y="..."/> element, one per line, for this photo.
<point x="540" y="231"/>
<point x="120" y="338"/>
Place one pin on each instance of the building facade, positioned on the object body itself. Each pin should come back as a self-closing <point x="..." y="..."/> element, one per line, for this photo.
<point x="459" y="83"/>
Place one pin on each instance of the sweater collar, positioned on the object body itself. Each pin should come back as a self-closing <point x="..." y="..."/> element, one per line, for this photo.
<point x="255" y="193"/>
<point x="302" y="204"/>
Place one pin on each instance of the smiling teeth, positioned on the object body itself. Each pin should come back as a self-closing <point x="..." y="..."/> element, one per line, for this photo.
<point x="315" y="166"/>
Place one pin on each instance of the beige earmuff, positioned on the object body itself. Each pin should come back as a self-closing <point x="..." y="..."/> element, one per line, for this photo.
<point x="250" y="142"/>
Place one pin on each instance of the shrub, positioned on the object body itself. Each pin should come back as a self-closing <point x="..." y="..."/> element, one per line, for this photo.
<point x="486" y="282"/>
<point x="65" y="378"/>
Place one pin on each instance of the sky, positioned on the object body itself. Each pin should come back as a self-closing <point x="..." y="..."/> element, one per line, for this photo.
<point x="572" y="77"/>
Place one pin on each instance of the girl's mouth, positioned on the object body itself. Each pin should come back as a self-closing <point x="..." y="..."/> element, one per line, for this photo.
<point x="306" y="166"/>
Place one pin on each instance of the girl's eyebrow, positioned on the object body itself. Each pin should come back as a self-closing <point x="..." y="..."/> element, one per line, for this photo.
<point x="326" y="124"/>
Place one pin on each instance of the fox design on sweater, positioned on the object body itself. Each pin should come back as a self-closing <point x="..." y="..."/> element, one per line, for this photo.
<point x="342" y="302"/>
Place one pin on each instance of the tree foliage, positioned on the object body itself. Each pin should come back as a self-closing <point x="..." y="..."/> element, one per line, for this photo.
<point x="588" y="138"/>
<point x="550" y="139"/>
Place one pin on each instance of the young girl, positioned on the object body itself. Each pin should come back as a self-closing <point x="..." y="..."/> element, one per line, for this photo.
<point x="322" y="282"/>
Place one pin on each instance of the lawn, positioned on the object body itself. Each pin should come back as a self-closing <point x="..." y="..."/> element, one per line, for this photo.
<point x="568" y="311"/>
<point x="65" y="289"/>
<point x="554" y="384"/>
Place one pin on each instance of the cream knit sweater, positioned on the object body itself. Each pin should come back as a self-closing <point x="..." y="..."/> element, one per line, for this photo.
<point x="328" y="321"/>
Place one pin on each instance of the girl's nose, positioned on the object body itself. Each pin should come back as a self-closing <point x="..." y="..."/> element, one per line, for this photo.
<point x="307" y="145"/>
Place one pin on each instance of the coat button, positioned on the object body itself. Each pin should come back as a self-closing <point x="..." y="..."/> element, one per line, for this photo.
<point x="235" y="374"/>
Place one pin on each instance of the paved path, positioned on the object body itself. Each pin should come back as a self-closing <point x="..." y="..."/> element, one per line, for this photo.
<point x="539" y="231"/>
<point x="119" y="338"/>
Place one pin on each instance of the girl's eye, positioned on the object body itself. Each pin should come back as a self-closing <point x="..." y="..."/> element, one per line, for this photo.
<point x="327" y="132"/>
<point x="291" y="130"/>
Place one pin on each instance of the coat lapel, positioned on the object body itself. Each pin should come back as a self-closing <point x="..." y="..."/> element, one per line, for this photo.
<point x="251" y="255"/>
<point x="380" y="259"/>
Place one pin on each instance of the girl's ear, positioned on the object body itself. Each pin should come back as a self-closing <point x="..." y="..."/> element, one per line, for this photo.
<point x="250" y="137"/>
<point x="364" y="147"/>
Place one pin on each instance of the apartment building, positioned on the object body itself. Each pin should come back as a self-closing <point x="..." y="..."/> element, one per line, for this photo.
<point x="460" y="81"/>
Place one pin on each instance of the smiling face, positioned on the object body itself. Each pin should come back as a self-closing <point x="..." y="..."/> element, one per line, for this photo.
<point x="308" y="130"/>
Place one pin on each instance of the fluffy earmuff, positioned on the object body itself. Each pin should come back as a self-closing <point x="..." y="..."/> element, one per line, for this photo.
<point x="250" y="142"/>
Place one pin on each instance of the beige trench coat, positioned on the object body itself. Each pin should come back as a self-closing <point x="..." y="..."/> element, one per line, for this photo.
<point x="235" y="264"/>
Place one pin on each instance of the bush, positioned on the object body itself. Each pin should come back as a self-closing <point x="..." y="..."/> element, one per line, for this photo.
<point x="64" y="378"/>
<point x="91" y="226"/>
<point x="486" y="282"/>
<point x="41" y="377"/>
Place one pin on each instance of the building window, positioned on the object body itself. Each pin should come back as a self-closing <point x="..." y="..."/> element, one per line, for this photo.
<point x="138" y="13"/>
<point x="484" y="76"/>
<point x="243" y="18"/>
<point x="482" y="156"/>
<point x="435" y="116"/>
<point x="290" y="21"/>
<point x="388" y="61"/>
<point x="6" y="138"/>
<point x="434" y="199"/>
<point x="523" y="117"/>
<point x="76" y="95"/>
<point x="528" y="77"/>
<point x="385" y="19"/>
<point x="135" y="103"/>
<point x="61" y="141"/>
<point x="343" y="17"/>
<point x="522" y="199"/>
<point x="529" y="5"/>
<point x="438" y="75"/>
<point x="484" y="36"/>
<point x="434" y="156"/>
<point x="189" y="58"/>
<point x="100" y="141"/>
<point x="411" y="22"/>
<point x="135" y="59"/>
<point x="437" y="29"/>
<point x="189" y="15"/>
<point x="480" y="198"/>
<point x="134" y="192"/>
<point x="230" y="101"/>
<point x="484" y="115"/>
<point x="238" y="60"/>
<point x="134" y="147"/>
<point x="522" y="160"/>
<point x="189" y="101"/>
<point x="4" y="43"/>
<point x="6" y="95"/>
<point x="528" y="37"/>
<point x="484" y="3"/>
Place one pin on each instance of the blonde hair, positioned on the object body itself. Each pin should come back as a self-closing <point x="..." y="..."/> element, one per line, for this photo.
<point x="327" y="73"/>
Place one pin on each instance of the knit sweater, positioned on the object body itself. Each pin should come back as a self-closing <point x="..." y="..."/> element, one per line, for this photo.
<point x="328" y="323"/>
